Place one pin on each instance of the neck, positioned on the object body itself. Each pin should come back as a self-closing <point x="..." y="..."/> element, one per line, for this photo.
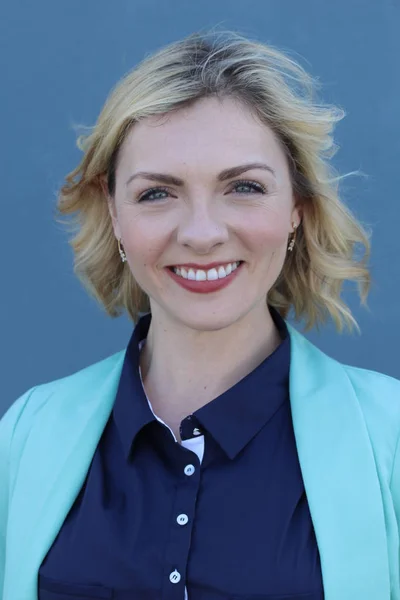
<point x="202" y="364"/>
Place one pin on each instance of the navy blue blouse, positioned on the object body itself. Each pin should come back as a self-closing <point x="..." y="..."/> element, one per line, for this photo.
<point x="155" y="521"/>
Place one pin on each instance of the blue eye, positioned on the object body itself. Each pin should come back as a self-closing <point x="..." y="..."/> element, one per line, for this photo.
<point x="256" y="187"/>
<point x="251" y="184"/>
<point x="146" y="196"/>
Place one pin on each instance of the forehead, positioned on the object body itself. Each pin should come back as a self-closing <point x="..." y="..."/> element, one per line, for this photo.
<point x="211" y="133"/>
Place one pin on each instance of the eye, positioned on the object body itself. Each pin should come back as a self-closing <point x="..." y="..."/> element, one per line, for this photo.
<point x="256" y="187"/>
<point x="146" y="196"/>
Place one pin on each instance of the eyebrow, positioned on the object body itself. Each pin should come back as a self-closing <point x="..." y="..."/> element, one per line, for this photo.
<point x="223" y="176"/>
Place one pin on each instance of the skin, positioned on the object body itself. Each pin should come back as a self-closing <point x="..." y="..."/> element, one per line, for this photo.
<point x="199" y="345"/>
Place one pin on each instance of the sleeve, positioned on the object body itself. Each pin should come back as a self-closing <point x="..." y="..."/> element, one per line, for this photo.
<point x="395" y="484"/>
<point x="8" y="424"/>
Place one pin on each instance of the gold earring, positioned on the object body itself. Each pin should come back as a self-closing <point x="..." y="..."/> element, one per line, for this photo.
<point x="292" y="241"/>
<point x="121" y="252"/>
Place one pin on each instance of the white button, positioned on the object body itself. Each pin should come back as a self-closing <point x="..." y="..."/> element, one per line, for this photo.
<point x="175" y="577"/>
<point x="189" y="470"/>
<point x="182" y="519"/>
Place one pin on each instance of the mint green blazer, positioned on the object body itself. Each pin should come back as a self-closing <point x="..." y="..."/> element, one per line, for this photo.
<point x="346" y="422"/>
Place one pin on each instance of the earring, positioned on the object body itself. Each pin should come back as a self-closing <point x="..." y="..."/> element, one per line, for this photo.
<point x="292" y="241"/>
<point x="121" y="252"/>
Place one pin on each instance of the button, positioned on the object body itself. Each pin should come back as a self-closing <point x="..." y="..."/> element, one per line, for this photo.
<point x="175" y="577"/>
<point x="182" y="519"/>
<point x="196" y="431"/>
<point x="189" y="470"/>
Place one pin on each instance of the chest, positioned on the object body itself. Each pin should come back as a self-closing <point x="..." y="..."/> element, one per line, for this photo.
<point x="184" y="518"/>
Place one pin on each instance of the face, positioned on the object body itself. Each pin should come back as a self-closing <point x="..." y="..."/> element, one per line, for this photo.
<point x="204" y="243"/>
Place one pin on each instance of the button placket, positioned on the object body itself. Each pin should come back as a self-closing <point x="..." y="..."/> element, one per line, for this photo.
<point x="181" y="526"/>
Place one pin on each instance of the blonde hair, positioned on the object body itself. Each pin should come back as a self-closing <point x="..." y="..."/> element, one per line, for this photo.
<point x="282" y="95"/>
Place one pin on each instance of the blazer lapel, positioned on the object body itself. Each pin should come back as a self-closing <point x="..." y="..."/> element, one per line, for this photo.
<point x="339" y="474"/>
<point x="53" y="468"/>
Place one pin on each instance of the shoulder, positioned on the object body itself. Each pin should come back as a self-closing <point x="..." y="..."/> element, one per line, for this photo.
<point x="371" y="387"/>
<point x="376" y="389"/>
<point x="378" y="393"/>
<point x="378" y="397"/>
<point x="17" y="420"/>
<point x="364" y="378"/>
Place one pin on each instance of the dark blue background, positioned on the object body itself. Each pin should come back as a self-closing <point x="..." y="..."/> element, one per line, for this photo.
<point x="58" y="62"/>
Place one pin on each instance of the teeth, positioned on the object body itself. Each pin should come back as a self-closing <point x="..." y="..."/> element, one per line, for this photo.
<point x="201" y="275"/>
<point x="222" y="273"/>
<point x="210" y="275"/>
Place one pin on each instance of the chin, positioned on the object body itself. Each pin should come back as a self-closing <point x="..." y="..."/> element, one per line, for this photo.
<point x="209" y="320"/>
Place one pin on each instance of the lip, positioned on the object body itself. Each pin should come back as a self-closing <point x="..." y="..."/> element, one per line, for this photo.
<point x="203" y="267"/>
<point x="204" y="287"/>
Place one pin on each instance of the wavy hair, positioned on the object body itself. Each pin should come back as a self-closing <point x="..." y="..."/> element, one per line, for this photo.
<point x="282" y="95"/>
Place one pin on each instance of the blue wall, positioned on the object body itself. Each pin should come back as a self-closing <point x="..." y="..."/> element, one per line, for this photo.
<point x="58" y="61"/>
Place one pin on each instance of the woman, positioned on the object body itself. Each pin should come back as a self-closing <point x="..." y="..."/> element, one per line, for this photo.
<point x="221" y="455"/>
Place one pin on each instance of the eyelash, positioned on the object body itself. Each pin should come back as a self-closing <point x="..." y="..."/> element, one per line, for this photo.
<point x="254" y="185"/>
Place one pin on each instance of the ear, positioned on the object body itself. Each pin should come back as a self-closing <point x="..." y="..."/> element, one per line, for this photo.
<point x="111" y="207"/>
<point x="297" y="212"/>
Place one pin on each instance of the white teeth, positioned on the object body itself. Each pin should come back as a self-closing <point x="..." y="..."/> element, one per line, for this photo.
<point x="201" y="275"/>
<point x="210" y="275"/>
<point x="222" y="273"/>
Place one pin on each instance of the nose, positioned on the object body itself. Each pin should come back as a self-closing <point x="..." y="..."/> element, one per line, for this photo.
<point x="202" y="229"/>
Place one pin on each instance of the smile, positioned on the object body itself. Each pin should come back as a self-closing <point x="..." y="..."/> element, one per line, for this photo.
<point x="218" y="272"/>
<point x="205" y="281"/>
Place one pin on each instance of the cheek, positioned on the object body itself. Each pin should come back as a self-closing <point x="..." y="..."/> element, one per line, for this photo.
<point x="144" y="241"/>
<point x="265" y="234"/>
